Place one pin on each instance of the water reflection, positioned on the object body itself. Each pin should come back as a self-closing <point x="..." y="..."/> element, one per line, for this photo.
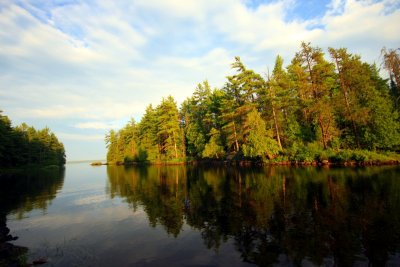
<point x="20" y="193"/>
<point x="290" y="216"/>
<point x="161" y="191"/>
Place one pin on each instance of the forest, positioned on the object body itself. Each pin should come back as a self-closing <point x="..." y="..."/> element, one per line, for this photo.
<point x="24" y="145"/>
<point x="321" y="107"/>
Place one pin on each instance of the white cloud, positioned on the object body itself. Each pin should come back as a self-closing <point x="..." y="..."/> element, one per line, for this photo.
<point x="364" y="19"/>
<point x="264" y="27"/>
<point x="101" y="110"/>
<point x="189" y="71"/>
<point x="59" y="111"/>
<point x="96" y="125"/>
<point x="27" y="37"/>
<point x="79" y="137"/>
<point x="93" y="64"/>
<point x="362" y="26"/>
<point x="90" y="200"/>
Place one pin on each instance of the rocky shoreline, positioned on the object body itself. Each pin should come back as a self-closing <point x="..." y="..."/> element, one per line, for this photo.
<point x="10" y="255"/>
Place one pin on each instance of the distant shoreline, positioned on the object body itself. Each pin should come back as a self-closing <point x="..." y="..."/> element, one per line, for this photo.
<point x="86" y="160"/>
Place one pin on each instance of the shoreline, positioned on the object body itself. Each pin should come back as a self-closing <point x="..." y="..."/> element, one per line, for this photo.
<point x="249" y="163"/>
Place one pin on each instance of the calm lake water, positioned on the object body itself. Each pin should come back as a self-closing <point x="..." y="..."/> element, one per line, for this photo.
<point x="206" y="216"/>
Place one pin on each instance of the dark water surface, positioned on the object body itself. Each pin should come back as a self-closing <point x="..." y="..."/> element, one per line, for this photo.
<point x="206" y="216"/>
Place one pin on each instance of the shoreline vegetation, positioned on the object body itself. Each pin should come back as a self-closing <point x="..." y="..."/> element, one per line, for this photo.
<point x="318" y="110"/>
<point x="24" y="147"/>
<point x="328" y="158"/>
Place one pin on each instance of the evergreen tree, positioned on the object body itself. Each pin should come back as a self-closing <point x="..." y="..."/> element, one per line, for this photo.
<point x="213" y="149"/>
<point x="231" y="120"/>
<point x="23" y="145"/>
<point x="382" y="129"/>
<point x="147" y="133"/>
<point x="111" y="144"/>
<point x="169" y="137"/>
<point x="241" y="94"/>
<point x="258" y="142"/>
<point x="6" y="140"/>
<point x="314" y="105"/>
<point x="131" y="152"/>
<point x="391" y="62"/>
<point x="198" y="119"/>
<point x="317" y="78"/>
<point x="245" y="85"/>
<point x="347" y="106"/>
<point x="365" y="105"/>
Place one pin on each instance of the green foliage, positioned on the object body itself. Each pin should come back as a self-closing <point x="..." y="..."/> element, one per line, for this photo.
<point x="213" y="149"/>
<point x="157" y="138"/>
<point x="306" y="153"/>
<point x="241" y="94"/>
<point x="391" y="62"/>
<point x="169" y="134"/>
<point x="359" y="155"/>
<point x="315" y="109"/>
<point x="314" y="78"/>
<point x="258" y="142"/>
<point x="382" y="129"/>
<point x="199" y="116"/>
<point x="24" y="145"/>
<point x="195" y="139"/>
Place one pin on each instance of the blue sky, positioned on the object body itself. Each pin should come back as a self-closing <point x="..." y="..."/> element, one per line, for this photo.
<point x="85" y="67"/>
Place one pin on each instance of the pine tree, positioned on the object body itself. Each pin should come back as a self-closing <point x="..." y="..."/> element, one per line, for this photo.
<point x="213" y="149"/>
<point x="241" y="94"/>
<point x="346" y="64"/>
<point x="315" y="104"/>
<point x="245" y="85"/>
<point x="23" y="145"/>
<point x="169" y="137"/>
<point x="198" y="119"/>
<point x="147" y="134"/>
<point x="316" y="78"/>
<point x="365" y="104"/>
<point x="5" y="140"/>
<point x="258" y="142"/>
<point x="111" y="144"/>
<point x="131" y="152"/>
<point x="391" y="62"/>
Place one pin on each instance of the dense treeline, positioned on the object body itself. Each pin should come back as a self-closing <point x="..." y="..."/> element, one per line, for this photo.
<point x="24" y="145"/>
<point x="158" y="137"/>
<point x="319" y="107"/>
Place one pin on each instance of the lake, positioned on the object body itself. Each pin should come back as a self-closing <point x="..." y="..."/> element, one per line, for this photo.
<point x="206" y="215"/>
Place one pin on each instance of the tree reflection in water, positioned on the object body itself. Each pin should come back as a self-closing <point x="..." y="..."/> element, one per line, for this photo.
<point x="333" y="217"/>
<point x="22" y="192"/>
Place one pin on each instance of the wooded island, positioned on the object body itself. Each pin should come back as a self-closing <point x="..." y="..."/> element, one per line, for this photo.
<point x="316" y="109"/>
<point x="25" y="146"/>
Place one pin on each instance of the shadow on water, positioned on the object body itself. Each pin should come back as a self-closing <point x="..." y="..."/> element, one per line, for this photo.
<point x="22" y="192"/>
<point x="274" y="215"/>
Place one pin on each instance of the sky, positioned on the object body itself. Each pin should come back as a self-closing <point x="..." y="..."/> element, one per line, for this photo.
<point x="82" y="68"/>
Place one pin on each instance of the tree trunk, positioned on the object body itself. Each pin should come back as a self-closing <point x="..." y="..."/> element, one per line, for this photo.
<point x="321" y="125"/>
<point x="314" y="89"/>
<point x="278" y="138"/>
<point x="175" y="147"/>
<point x="236" y="141"/>
<point x="346" y="99"/>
